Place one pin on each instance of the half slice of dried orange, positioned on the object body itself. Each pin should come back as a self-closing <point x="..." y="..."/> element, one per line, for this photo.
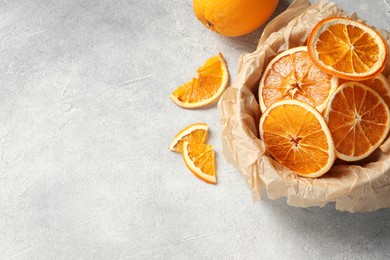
<point x="297" y="136"/>
<point x="293" y="75"/>
<point x="195" y="133"/>
<point x="200" y="159"/>
<point x="207" y="88"/>
<point x="347" y="48"/>
<point x="358" y="119"/>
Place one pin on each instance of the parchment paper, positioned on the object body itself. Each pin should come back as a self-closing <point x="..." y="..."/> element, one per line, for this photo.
<point x="357" y="187"/>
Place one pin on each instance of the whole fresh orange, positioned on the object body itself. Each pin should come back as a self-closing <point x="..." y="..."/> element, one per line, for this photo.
<point x="234" y="17"/>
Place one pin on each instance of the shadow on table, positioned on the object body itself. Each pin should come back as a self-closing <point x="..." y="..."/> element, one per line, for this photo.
<point x="248" y="42"/>
<point x="368" y="230"/>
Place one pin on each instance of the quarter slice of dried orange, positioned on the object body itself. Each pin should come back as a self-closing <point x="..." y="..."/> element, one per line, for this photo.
<point x="293" y="75"/>
<point x="358" y="119"/>
<point x="297" y="136"/>
<point x="347" y="48"/>
<point x="200" y="159"/>
<point x="207" y="88"/>
<point x="195" y="133"/>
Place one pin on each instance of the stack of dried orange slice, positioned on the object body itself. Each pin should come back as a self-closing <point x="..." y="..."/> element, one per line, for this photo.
<point x="198" y="156"/>
<point x="326" y="100"/>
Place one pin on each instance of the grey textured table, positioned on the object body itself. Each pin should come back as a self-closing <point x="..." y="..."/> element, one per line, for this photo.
<point x="85" y="122"/>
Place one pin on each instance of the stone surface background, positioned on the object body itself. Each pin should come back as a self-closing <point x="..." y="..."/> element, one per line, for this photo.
<point x="85" y="122"/>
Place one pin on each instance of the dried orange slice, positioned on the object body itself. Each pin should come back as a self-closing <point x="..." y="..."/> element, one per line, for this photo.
<point x="195" y="133"/>
<point x="207" y="88"/>
<point x="358" y="119"/>
<point x="297" y="136"/>
<point x="347" y="48"/>
<point x="379" y="83"/>
<point x="293" y="75"/>
<point x="200" y="159"/>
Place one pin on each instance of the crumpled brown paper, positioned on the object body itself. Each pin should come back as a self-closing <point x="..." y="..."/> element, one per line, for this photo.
<point x="359" y="187"/>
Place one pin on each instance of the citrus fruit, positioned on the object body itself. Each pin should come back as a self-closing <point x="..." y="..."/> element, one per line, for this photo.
<point x="379" y="83"/>
<point x="195" y="133"/>
<point x="200" y="159"/>
<point x="358" y="119"/>
<point x="293" y="75"/>
<point x="233" y="17"/>
<point x="207" y="88"/>
<point x="297" y="136"/>
<point x="347" y="48"/>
